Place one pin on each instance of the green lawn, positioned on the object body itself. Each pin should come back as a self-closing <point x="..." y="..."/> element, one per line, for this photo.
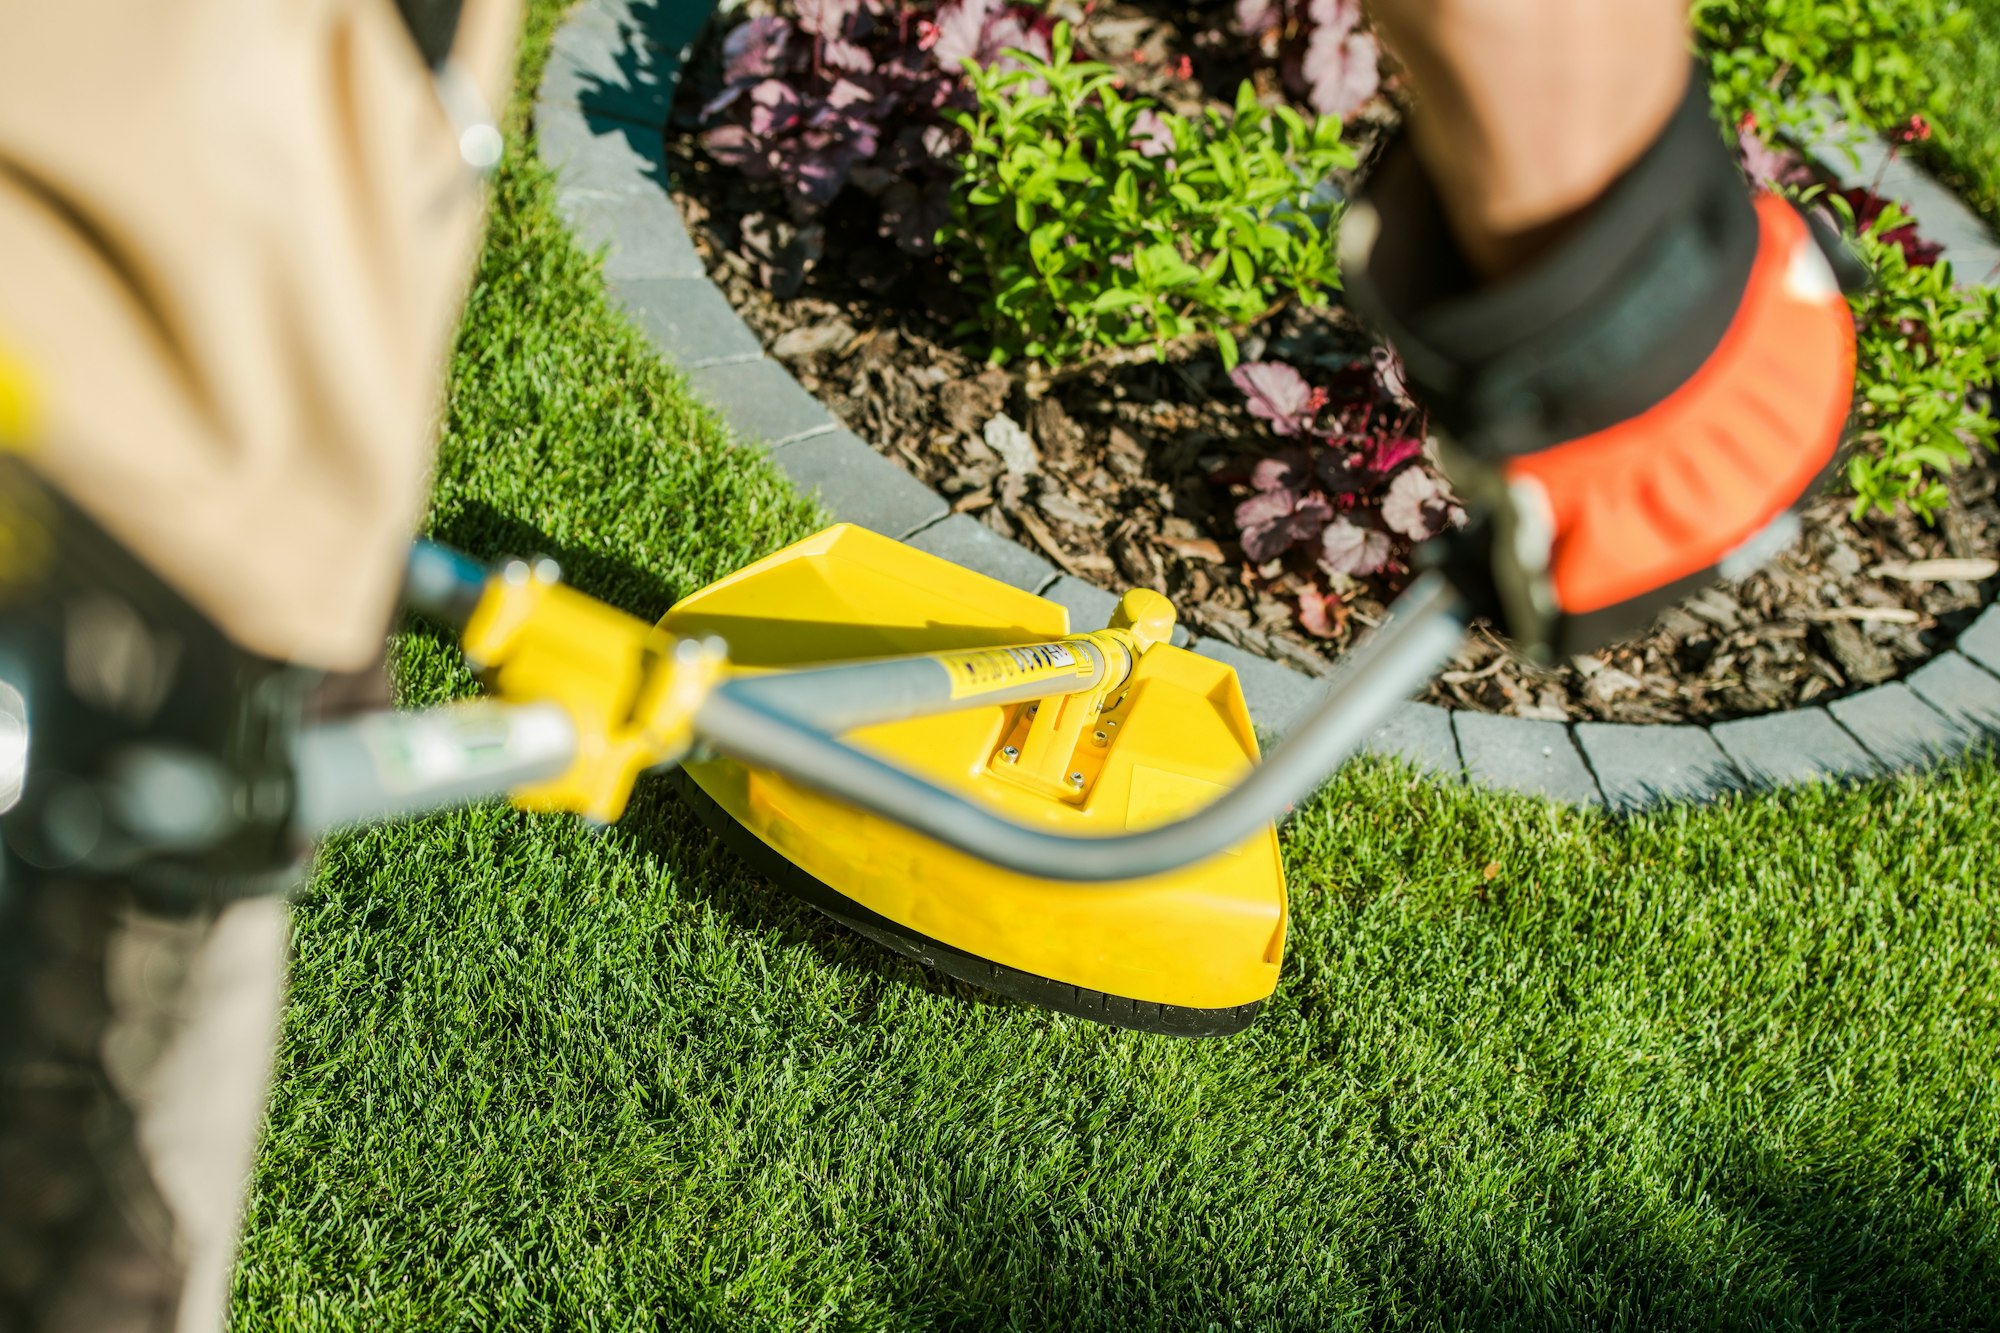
<point x="1967" y="146"/>
<point x="1722" y="1069"/>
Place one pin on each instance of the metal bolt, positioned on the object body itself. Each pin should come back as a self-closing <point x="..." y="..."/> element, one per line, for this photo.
<point x="1034" y="709"/>
<point x="1009" y="753"/>
<point x="1110" y="721"/>
<point x="1100" y="736"/>
<point x="547" y="570"/>
<point x="515" y="572"/>
<point x="1076" y="779"/>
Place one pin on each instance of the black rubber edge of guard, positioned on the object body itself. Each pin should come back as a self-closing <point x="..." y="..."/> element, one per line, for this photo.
<point x="1027" y="987"/>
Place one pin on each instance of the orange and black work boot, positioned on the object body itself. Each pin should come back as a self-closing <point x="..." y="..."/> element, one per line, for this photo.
<point x="1639" y="410"/>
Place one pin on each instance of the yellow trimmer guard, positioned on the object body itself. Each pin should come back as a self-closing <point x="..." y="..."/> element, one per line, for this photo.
<point x="1193" y="952"/>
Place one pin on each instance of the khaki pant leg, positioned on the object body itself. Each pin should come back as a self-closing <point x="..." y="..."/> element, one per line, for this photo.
<point x="235" y="238"/>
<point x="236" y="235"/>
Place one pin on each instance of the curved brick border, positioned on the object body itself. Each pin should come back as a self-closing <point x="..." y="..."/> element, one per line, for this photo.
<point x="601" y="116"/>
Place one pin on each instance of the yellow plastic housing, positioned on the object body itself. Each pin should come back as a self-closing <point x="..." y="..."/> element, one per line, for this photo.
<point x="17" y="402"/>
<point x="629" y="689"/>
<point x="1207" y="937"/>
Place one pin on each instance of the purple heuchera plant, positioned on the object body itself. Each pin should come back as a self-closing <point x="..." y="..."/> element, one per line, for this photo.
<point x="851" y="92"/>
<point x="984" y="31"/>
<point x="1152" y="135"/>
<point x="1342" y="67"/>
<point x="1772" y="166"/>
<point x="1349" y="483"/>
<point x="1767" y="166"/>
<point x="1323" y="50"/>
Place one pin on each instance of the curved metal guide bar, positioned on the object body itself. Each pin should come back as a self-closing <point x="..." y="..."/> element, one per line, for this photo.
<point x="1424" y="628"/>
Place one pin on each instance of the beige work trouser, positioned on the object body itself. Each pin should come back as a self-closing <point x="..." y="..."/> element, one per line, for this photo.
<point x="234" y="238"/>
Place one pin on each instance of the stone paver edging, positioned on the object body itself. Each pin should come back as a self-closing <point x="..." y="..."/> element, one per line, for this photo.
<point x="601" y="116"/>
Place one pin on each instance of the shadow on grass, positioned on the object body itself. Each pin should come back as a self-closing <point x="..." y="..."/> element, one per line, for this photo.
<point x="1784" y="1252"/>
<point x="486" y="534"/>
<point x="1869" y="1248"/>
<point x="687" y="846"/>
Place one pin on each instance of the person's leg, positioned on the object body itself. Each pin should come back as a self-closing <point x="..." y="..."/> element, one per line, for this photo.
<point x="236" y="238"/>
<point x="1528" y="109"/>
<point x="140" y="1043"/>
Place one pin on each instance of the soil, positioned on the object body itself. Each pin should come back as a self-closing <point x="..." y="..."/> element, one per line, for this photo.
<point x="1127" y="472"/>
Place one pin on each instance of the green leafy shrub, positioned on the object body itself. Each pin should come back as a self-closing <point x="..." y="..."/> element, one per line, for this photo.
<point x="1085" y="220"/>
<point x="1966" y="147"/>
<point x="1769" y="58"/>
<point x="1928" y="351"/>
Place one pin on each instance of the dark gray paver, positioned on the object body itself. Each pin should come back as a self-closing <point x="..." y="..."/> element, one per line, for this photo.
<point x="965" y="541"/>
<point x="1941" y="216"/>
<point x="1981" y="642"/>
<point x="1090" y="607"/>
<point x="1420" y="735"/>
<point x="1899" y="728"/>
<point x="1514" y="754"/>
<point x="1794" y="746"/>
<point x="622" y="60"/>
<point x="642" y="235"/>
<point x="690" y="321"/>
<point x="1961" y="690"/>
<point x="1642" y="766"/>
<point x="858" y="485"/>
<point x="763" y="403"/>
<point x="600" y="155"/>
<point x="1278" y="696"/>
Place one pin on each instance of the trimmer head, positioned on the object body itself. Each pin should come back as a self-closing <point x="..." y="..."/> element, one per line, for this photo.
<point x="1193" y="952"/>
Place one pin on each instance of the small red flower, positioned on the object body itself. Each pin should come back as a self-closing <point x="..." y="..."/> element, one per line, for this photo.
<point x="927" y="34"/>
<point x="1747" y="125"/>
<point x="1918" y="130"/>
<point x="1139" y="57"/>
<point x="1185" y="69"/>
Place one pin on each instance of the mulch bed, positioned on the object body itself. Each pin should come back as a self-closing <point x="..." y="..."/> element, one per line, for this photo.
<point x="1128" y="472"/>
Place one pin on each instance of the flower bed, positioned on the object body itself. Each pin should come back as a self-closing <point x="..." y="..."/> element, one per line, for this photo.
<point x="1275" y="501"/>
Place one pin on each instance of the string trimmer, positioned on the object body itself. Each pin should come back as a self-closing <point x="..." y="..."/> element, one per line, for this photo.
<point x="929" y="756"/>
